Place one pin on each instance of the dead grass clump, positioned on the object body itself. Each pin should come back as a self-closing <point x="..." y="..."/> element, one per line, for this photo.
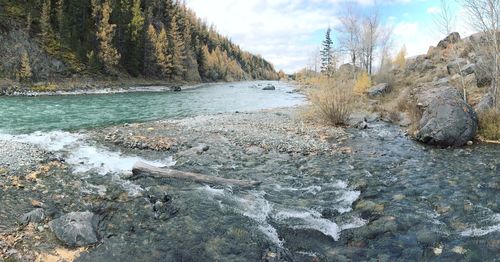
<point x="332" y="103"/>
<point x="489" y="124"/>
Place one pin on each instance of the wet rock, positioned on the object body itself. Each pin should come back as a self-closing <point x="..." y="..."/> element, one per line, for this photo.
<point x="175" y="88"/>
<point x="378" y="227"/>
<point x="369" y="209"/>
<point x="269" y="88"/>
<point x="448" y="120"/>
<point x="329" y="213"/>
<point x="163" y="206"/>
<point x="37" y="215"/>
<point x="449" y="40"/>
<point x="276" y="254"/>
<point x="76" y="228"/>
<point x="427" y="237"/>
<point x="378" y="90"/>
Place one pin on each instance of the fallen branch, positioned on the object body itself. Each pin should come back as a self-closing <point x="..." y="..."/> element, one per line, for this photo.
<point x="141" y="168"/>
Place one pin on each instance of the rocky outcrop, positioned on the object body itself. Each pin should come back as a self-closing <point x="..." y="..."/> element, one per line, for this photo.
<point x="378" y="90"/>
<point x="456" y="66"/>
<point x="447" y="120"/>
<point x="76" y="228"/>
<point x="449" y="40"/>
<point x="16" y="42"/>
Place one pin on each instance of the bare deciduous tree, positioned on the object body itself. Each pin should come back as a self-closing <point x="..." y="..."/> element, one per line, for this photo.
<point x="445" y="19"/>
<point x="484" y="16"/>
<point x="349" y="35"/>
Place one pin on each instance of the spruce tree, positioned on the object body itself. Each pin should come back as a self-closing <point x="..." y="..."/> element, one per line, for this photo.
<point x="24" y="74"/>
<point x="45" y="19"/>
<point x="135" y="29"/>
<point x="108" y="54"/>
<point x="327" y="61"/>
<point x="177" y="50"/>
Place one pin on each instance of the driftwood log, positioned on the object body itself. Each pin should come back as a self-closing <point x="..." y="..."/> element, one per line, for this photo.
<point x="141" y="168"/>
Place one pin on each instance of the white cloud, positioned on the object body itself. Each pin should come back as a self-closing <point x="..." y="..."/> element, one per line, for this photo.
<point x="433" y="10"/>
<point x="285" y="31"/>
<point x="279" y="30"/>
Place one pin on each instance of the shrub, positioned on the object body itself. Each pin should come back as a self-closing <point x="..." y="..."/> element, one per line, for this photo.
<point x="331" y="103"/>
<point x="489" y="124"/>
<point x="400" y="60"/>
<point x="363" y="82"/>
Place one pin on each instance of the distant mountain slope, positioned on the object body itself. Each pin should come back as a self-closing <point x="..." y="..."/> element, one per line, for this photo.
<point x="44" y="40"/>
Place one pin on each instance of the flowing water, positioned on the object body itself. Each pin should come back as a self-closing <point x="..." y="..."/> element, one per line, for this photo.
<point x="432" y="204"/>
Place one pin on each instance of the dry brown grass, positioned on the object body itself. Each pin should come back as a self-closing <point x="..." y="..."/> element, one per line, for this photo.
<point x="331" y="101"/>
<point x="489" y="125"/>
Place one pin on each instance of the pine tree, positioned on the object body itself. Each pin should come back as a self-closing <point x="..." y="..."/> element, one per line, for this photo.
<point x="108" y="54"/>
<point x="24" y="73"/>
<point x="28" y="22"/>
<point x="60" y="17"/>
<point x="150" y="66"/>
<point x="163" y="58"/>
<point x="327" y="59"/>
<point x="177" y="50"/>
<point x="135" y="29"/>
<point x="45" y="26"/>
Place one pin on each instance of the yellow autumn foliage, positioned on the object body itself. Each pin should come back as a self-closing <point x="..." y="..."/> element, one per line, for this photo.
<point x="363" y="82"/>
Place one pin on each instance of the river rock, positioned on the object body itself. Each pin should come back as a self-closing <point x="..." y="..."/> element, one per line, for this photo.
<point x="175" y="88"/>
<point x="76" y="228"/>
<point x="447" y="119"/>
<point x="37" y="215"/>
<point x="269" y="88"/>
<point x="378" y="90"/>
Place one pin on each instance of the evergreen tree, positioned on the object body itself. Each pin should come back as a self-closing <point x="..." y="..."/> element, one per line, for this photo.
<point x="60" y="17"/>
<point x="177" y="50"/>
<point x="108" y="54"/>
<point x="45" y="19"/>
<point x="327" y="59"/>
<point x="24" y="73"/>
<point x="163" y="58"/>
<point x="135" y="27"/>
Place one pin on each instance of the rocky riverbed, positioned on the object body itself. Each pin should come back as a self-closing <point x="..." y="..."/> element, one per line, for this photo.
<point x="326" y="194"/>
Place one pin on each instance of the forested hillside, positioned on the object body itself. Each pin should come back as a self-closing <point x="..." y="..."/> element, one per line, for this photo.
<point x="155" y="39"/>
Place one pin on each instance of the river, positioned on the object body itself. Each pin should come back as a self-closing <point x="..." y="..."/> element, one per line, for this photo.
<point x="391" y="200"/>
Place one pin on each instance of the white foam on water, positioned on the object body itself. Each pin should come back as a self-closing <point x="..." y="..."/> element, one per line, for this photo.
<point x="84" y="157"/>
<point x="252" y="205"/>
<point x="309" y="220"/>
<point x="482" y="231"/>
<point x="346" y="200"/>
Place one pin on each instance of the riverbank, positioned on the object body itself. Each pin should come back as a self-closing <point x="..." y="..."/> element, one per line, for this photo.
<point x="90" y="86"/>
<point x="326" y="194"/>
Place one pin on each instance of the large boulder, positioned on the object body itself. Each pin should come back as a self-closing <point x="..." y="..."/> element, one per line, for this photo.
<point x="447" y="120"/>
<point x="76" y="228"/>
<point x="378" y="90"/>
<point x="449" y="40"/>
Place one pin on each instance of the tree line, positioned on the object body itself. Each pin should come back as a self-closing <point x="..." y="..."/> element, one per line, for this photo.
<point x="159" y="39"/>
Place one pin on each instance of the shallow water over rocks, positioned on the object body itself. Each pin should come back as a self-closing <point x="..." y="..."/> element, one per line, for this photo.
<point x="385" y="197"/>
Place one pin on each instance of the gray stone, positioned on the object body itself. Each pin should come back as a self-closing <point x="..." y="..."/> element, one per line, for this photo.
<point x="269" y="88"/>
<point x="37" y="215"/>
<point x="454" y="66"/>
<point x="447" y="119"/>
<point x="485" y="104"/>
<point x="378" y="90"/>
<point x="449" y="40"/>
<point x="76" y="228"/>
<point x="175" y="88"/>
<point x="468" y="70"/>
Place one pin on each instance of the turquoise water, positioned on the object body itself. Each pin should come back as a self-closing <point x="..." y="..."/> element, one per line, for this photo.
<point x="46" y="113"/>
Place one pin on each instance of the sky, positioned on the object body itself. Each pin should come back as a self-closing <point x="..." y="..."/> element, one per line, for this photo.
<point x="288" y="32"/>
